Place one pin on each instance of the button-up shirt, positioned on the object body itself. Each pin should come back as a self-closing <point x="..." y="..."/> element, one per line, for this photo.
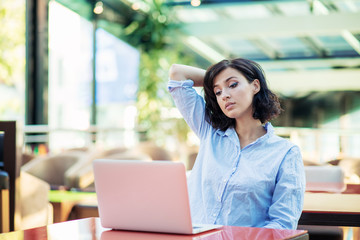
<point x="260" y="185"/>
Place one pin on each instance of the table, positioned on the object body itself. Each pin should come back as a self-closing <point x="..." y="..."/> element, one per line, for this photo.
<point x="64" y="201"/>
<point x="320" y="208"/>
<point x="332" y="209"/>
<point x="90" y="228"/>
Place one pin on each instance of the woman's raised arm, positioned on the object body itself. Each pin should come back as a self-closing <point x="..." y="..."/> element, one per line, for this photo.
<point x="179" y="72"/>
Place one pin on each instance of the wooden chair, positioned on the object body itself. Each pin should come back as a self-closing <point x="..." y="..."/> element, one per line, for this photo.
<point x="4" y="202"/>
<point x="11" y="166"/>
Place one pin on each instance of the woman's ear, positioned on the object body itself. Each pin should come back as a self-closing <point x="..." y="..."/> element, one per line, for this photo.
<point x="256" y="86"/>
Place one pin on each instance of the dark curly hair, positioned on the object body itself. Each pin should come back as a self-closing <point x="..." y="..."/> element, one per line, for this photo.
<point x="266" y="105"/>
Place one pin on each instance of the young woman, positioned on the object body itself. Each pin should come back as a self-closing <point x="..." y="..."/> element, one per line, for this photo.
<point x="244" y="175"/>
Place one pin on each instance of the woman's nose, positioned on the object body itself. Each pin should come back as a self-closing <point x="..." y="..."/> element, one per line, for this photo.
<point x="225" y="95"/>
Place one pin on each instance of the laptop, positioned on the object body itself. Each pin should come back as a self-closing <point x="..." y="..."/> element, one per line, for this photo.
<point x="148" y="196"/>
<point x="131" y="235"/>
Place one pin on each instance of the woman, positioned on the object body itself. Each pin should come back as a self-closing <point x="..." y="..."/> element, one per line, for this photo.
<point x="244" y="175"/>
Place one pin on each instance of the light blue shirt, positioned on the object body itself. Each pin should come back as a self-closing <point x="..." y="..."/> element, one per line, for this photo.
<point x="261" y="185"/>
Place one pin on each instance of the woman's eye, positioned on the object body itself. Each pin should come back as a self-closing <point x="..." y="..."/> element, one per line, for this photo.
<point x="233" y="85"/>
<point x="217" y="93"/>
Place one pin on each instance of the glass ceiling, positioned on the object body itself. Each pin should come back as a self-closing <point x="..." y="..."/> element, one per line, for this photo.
<point x="286" y="37"/>
<point x="253" y="29"/>
<point x="263" y="30"/>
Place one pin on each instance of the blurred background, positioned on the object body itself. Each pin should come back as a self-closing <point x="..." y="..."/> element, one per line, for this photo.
<point x="84" y="79"/>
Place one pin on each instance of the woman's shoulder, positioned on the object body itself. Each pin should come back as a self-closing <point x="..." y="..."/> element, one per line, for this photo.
<point x="282" y="142"/>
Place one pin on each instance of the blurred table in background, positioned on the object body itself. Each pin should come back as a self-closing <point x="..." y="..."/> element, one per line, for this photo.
<point x="332" y="209"/>
<point x="64" y="201"/>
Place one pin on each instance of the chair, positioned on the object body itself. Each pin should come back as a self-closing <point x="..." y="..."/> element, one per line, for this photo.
<point x="35" y="208"/>
<point x="11" y="165"/>
<point x="4" y="202"/>
<point x="191" y="160"/>
<point x="52" y="168"/>
<point x="81" y="174"/>
<point x="153" y="151"/>
<point x="351" y="168"/>
<point x="324" y="178"/>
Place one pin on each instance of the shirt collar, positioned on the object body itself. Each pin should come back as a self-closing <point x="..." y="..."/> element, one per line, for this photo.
<point x="227" y="132"/>
<point x="269" y="128"/>
<point x="230" y="132"/>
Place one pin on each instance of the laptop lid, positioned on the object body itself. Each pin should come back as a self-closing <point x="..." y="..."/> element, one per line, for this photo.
<point x="142" y="195"/>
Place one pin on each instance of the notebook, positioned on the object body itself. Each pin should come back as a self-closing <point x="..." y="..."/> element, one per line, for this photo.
<point x="149" y="196"/>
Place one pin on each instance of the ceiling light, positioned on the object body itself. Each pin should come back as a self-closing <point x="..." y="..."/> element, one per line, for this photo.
<point x="135" y="6"/>
<point x="99" y="7"/>
<point x="195" y="3"/>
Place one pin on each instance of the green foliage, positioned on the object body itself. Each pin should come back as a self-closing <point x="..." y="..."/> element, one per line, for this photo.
<point x="12" y="58"/>
<point x="148" y="28"/>
<point x="151" y="32"/>
<point x="154" y="101"/>
<point x="12" y="39"/>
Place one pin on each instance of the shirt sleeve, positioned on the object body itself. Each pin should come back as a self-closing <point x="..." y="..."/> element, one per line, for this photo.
<point x="288" y="197"/>
<point x="190" y="104"/>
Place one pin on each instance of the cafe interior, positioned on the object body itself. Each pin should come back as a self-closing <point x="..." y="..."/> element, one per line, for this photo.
<point x="87" y="79"/>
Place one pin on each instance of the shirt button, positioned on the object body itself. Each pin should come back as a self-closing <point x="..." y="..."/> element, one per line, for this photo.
<point x="214" y="215"/>
<point x="234" y="169"/>
<point x="219" y="198"/>
<point x="224" y="180"/>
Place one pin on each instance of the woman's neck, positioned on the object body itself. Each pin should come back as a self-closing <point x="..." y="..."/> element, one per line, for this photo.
<point x="248" y="130"/>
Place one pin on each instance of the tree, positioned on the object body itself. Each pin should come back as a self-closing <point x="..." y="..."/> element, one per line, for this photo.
<point x="154" y="33"/>
<point x="12" y="58"/>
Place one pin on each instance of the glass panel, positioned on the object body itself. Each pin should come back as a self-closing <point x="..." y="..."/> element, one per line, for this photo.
<point x="290" y="47"/>
<point x="70" y="80"/>
<point x="117" y="84"/>
<point x="244" y="48"/>
<point x="295" y="8"/>
<point x="196" y="15"/>
<point x="336" y="45"/>
<point x="70" y="75"/>
<point x="247" y="11"/>
<point x="348" y="5"/>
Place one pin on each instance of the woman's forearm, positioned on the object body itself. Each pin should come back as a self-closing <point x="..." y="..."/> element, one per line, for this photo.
<point x="181" y="72"/>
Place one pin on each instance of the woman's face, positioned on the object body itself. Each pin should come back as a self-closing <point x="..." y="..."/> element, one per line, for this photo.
<point x="234" y="93"/>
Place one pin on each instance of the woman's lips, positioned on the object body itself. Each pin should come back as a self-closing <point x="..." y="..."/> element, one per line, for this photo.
<point x="229" y="105"/>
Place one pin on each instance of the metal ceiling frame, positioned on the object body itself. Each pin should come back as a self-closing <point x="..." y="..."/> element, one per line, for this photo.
<point x="212" y="37"/>
<point x="276" y="26"/>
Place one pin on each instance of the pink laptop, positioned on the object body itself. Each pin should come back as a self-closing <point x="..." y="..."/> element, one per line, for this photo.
<point x="147" y="196"/>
